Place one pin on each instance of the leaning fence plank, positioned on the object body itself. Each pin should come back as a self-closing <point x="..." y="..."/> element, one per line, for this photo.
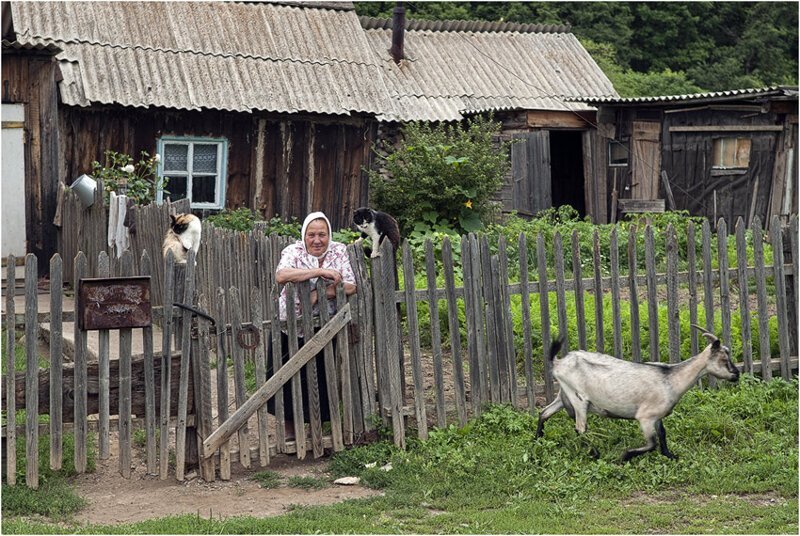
<point x="580" y="309"/>
<point x="183" y="392"/>
<point x="471" y="324"/>
<point x="79" y="272"/>
<point x="761" y="293"/>
<point x="340" y="431"/>
<point x="691" y="260"/>
<point x="491" y="321"/>
<point x="455" y="331"/>
<point x="544" y="311"/>
<point x="104" y="382"/>
<point x="673" y="312"/>
<point x="633" y="291"/>
<point x="615" y="308"/>
<point x="744" y="306"/>
<point x="599" y="332"/>
<point x="724" y="277"/>
<point x="413" y="340"/>
<point x="166" y="365"/>
<point x="776" y="237"/>
<point x="125" y="340"/>
<point x="312" y="377"/>
<point x="149" y="379"/>
<point x="222" y="382"/>
<point x="259" y="356"/>
<point x="508" y="320"/>
<point x="436" y="336"/>
<point x="297" y="399"/>
<point x="32" y="374"/>
<point x="10" y="387"/>
<point x="527" y="344"/>
<point x="652" y="303"/>
<point x="235" y="313"/>
<point x="56" y="361"/>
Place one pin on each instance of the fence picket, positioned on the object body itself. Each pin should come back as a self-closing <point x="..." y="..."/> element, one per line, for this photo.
<point x="724" y="278"/>
<point x="341" y="428"/>
<point x="633" y="291"/>
<point x="125" y="342"/>
<point x="561" y="300"/>
<point x="577" y="278"/>
<point x="436" y="336"/>
<point x="479" y="314"/>
<point x="183" y="392"/>
<point x="56" y="361"/>
<point x="455" y="333"/>
<point x="508" y="321"/>
<point x="794" y="234"/>
<point x="146" y="269"/>
<point x="471" y="322"/>
<point x="691" y="259"/>
<point x="413" y="340"/>
<point x="599" y="332"/>
<point x="761" y="293"/>
<point x="744" y="306"/>
<point x="708" y="281"/>
<point x="496" y="305"/>
<point x="312" y="376"/>
<point x="166" y="365"/>
<point x="544" y="312"/>
<point x="10" y="385"/>
<point x="32" y="374"/>
<point x="104" y="382"/>
<point x="297" y="400"/>
<point x="615" y="315"/>
<point x="222" y="382"/>
<point x="365" y="362"/>
<point x="202" y="396"/>
<point x="79" y="372"/>
<point x="260" y="358"/>
<point x="527" y="344"/>
<point x="235" y="309"/>
<point x="652" y="303"/>
<point x="776" y="237"/>
<point x="673" y="312"/>
<point x="491" y="328"/>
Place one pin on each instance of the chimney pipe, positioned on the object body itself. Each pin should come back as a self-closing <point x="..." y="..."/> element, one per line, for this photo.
<point x="398" y="32"/>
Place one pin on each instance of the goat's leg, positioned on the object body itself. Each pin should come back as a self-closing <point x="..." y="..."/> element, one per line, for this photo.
<point x="554" y="407"/>
<point x="648" y="427"/>
<point x="581" y="414"/>
<point x="662" y="440"/>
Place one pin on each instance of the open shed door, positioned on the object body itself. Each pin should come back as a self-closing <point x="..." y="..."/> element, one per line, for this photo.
<point x="13" y="181"/>
<point x="646" y="159"/>
<point x="530" y="161"/>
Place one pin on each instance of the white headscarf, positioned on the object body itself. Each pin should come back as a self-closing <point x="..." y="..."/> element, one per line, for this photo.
<point x="311" y="217"/>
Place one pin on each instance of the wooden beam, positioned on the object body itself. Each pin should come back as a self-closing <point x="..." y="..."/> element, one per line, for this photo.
<point x="628" y="206"/>
<point x="537" y="119"/>
<point x="728" y="128"/>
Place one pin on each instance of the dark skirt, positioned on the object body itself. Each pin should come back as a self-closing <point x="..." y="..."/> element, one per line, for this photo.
<point x="322" y="384"/>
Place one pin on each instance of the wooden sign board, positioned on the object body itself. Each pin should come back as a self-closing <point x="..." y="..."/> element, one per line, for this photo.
<point x="114" y="303"/>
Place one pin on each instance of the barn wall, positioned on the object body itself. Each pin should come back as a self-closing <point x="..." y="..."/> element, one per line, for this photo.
<point x="270" y="161"/>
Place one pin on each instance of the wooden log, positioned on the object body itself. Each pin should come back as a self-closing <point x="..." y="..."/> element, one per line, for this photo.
<point x="776" y="237"/>
<point x="104" y="270"/>
<point x="413" y="341"/>
<point x="652" y="291"/>
<point x="544" y="312"/>
<point x="125" y="343"/>
<point x="80" y="271"/>
<point x="146" y="269"/>
<point x="527" y="343"/>
<point x="615" y="307"/>
<point x="455" y="332"/>
<point x="436" y="336"/>
<point x="260" y="359"/>
<point x="56" y="362"/>
<point x="8" y="382"/>
<point x="240" y="392"/>
<point x="744" y="305"/>
<point x="183" y="394"/>
<point x="265" y="392"/>
<point x="599" y="332"/>
<point x="166" y="366"/>
<point x="633" y="291"/>
<point x="312" y="383"/>
<point x="761" y="293"/>
<point x="579" y="293"/>
<point x="222" y="383"/>
<point x="673" y="311"/>
<point x="31" y="376"/>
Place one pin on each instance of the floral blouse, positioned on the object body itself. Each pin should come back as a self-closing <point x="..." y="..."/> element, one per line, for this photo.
<point x="295" y="256"/>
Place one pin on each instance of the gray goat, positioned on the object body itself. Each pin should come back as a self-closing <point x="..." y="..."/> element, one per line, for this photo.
<point x="611" y="387"/>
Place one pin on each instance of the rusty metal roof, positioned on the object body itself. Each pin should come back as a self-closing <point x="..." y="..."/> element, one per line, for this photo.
<point x="216" y="55"/>
<point x="448" y="73"/>
<point x="716" y="96"/>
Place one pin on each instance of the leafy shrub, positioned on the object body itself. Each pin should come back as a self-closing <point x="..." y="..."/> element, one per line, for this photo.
<point x="139" y="181"/>
<point x="442" y="174"/>
<point x="240" y="219"/>
<point x="289" y="228"/>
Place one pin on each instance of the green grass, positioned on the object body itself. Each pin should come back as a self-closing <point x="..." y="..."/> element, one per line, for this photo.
<point x="307" y="482"/>
<point x="737" y="474"/>
<point x="267" y="479"/>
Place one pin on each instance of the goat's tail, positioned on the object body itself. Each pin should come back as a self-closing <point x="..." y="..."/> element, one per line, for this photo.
<point x="555" y="347"/>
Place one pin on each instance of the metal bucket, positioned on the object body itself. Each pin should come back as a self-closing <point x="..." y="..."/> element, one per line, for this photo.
<point x="85" y="187"/>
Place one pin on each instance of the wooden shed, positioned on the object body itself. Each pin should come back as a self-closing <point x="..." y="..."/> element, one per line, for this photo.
<point x="727" y="154"/>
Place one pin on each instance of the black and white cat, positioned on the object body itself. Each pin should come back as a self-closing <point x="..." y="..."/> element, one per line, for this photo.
<point x="377" y="226"/>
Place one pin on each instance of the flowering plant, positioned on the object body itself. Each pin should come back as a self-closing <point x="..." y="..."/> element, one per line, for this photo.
<point x="139" y="180"/>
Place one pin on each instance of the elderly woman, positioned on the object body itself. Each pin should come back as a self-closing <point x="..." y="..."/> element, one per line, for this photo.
<point x="314" y="255"/>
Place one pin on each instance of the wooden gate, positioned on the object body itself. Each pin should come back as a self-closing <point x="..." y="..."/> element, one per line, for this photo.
<point x="530" y="161"/>
<point x="646" y="143"/>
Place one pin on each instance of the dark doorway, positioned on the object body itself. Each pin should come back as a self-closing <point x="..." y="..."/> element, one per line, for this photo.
<point x="566" y="169"/>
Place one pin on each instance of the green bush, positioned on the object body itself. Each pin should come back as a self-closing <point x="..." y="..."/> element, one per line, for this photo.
<point x="241" y="219"/>
<point x="442" y="175"/>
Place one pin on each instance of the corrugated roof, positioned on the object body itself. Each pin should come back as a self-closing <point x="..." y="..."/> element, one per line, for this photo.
<point x="447" y="74"/>
<point x="734" y="94"/>
<point x="217" y="55"/>
<point x="372" y="23"/>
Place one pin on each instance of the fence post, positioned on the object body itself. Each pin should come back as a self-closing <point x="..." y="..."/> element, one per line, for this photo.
<point x="10" y="386"/>
<point x="56" y="361"/>
<point x="776" y="237"/>
<point x="79" y="372"/>
<point x="32" y="374"/>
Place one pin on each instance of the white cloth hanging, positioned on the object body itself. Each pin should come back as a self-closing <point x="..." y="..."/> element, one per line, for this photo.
<point x="122" y="234"/>
<point x="113" y="218"/>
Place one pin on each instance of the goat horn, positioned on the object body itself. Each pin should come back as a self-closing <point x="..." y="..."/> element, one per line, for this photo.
<point x="710" y="336"/>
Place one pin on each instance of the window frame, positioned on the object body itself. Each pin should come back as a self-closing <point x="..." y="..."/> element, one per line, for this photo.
<point x="735" y="139"/>
<point x="221" y="174"/>
<point x="624" y="144"/>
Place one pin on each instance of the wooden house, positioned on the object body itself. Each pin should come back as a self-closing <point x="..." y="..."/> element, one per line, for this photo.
<point x="276" y="106"/>
<point x="727" y="154"/>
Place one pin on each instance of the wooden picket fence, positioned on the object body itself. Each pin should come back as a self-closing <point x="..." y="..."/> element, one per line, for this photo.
<point x="377" y="366"/>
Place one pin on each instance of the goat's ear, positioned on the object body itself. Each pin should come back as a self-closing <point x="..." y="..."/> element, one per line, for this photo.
<point x="716" y="344"/>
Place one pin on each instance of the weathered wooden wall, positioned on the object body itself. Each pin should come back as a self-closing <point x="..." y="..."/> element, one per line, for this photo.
<point x="30" y="79"/>
<point x="277" y="165"/>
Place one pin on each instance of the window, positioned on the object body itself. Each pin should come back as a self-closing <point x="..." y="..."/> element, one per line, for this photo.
<point x="617" y="153"/>
<point x="195" y="169"/>
<point x="731" y="153"/>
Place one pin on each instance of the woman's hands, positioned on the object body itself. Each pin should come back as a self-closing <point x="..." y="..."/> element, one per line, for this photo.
<point x="296" y="275"/>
